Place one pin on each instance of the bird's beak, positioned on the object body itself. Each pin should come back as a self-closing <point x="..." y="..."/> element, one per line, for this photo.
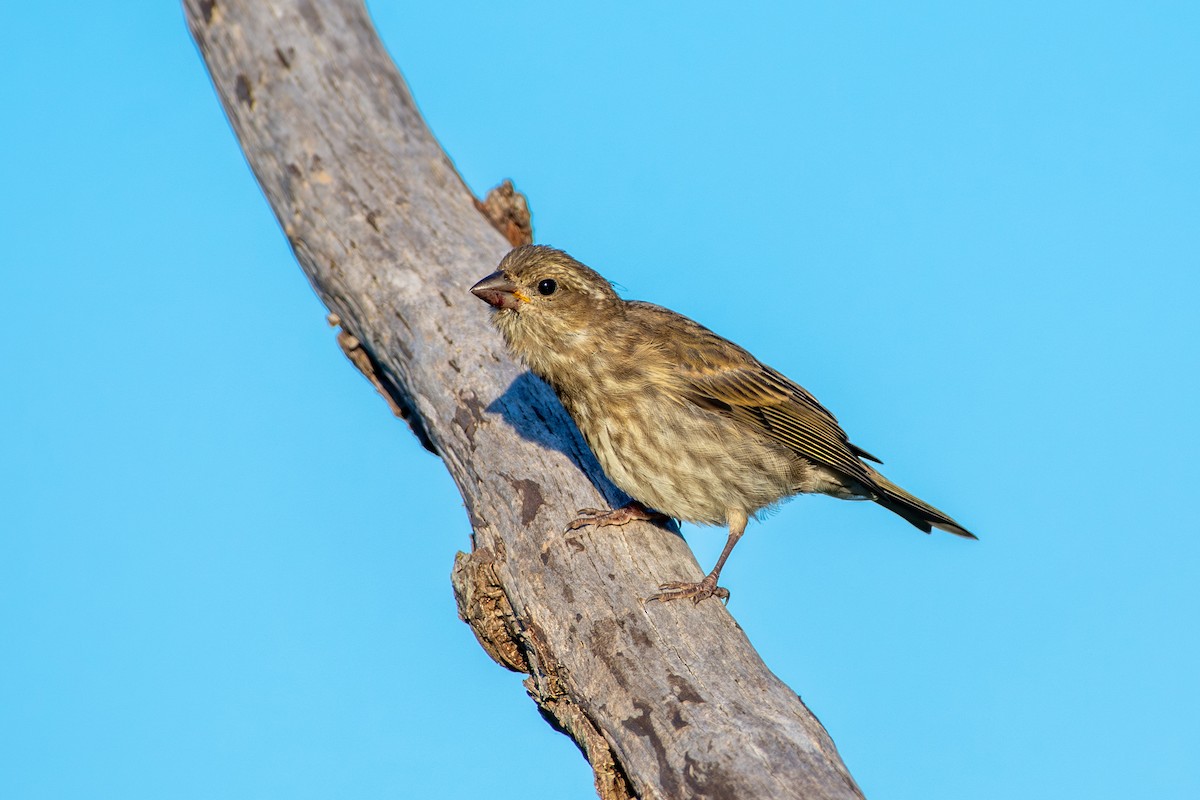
<point x="498" y="291"/>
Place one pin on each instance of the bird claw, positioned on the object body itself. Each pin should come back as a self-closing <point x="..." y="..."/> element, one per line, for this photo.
<point x="618" y="516"/>
<point x="586" y="516"/>
<point x="682" y="590"/>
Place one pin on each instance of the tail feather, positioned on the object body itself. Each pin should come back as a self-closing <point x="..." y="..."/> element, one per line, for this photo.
<point x="915" y="510"/>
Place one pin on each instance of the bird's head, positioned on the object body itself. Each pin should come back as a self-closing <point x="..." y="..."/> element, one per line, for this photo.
<point x="546" y="292"/>
<point x="551" y="309"/>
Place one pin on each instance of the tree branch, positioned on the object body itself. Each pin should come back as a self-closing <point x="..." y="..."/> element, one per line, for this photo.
<point x="665" y="699"/>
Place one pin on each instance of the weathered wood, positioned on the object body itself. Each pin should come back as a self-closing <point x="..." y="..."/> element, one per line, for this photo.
<point x="665" y="699"/>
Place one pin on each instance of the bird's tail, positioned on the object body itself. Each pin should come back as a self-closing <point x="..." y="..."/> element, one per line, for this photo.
<point x="915" y="510"/>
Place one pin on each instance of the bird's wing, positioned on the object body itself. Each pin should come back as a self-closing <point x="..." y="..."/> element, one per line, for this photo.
<point x="765" y="400"/>
<point x="717" y="374"/>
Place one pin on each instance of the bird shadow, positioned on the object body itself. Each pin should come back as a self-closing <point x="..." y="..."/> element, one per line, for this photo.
<point x="531" y="408"/>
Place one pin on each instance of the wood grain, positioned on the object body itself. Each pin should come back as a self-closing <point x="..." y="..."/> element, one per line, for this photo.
<point x="666" y="700"/>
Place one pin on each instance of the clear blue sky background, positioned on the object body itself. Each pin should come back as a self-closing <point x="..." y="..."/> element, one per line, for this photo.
<point x="970" y="229"/>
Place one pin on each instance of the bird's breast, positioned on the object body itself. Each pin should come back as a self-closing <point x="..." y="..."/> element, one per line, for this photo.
<point x="673" y="456"/>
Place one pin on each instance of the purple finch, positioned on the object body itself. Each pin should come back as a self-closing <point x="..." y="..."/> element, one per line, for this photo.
<point x="683" y="421"/>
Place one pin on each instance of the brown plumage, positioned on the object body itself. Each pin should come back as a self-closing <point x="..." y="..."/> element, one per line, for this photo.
<point x="682" y="420"/>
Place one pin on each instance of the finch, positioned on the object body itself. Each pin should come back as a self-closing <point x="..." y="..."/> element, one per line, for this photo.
<point x="683" y="421"/>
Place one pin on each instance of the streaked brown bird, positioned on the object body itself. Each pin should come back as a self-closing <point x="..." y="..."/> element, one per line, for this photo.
<point x="683" y="421"/>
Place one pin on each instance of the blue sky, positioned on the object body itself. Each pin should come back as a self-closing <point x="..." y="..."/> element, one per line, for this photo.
<point x="969" y="229"/>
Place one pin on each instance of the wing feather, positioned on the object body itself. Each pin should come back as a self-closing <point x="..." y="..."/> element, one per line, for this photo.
<point x="717" y="374"/>
<point x="761" y="399"/>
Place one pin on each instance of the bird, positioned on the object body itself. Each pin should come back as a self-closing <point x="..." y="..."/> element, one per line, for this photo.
<point x="685" y="422"/>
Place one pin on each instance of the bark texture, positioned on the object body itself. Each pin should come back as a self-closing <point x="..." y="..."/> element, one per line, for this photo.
<point x="665" y="700"/>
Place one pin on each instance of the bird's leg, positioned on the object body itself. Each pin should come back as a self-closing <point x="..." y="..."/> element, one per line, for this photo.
<point x="679" y="590"/>
<point x="618" y="516"/>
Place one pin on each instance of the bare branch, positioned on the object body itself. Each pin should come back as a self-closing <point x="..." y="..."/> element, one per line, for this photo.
<point x="665" y="699"/>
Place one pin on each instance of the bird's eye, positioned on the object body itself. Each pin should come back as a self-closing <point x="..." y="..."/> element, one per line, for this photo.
<point x="547" y="286"/>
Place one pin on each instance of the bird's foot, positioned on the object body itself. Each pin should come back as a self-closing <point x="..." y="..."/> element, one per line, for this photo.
<point x="682" y="590"/>
<point x="618" y="516"/>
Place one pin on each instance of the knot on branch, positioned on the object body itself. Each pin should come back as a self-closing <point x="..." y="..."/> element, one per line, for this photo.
<point x="508" y="211"/>
<point x="484" y="606"/>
